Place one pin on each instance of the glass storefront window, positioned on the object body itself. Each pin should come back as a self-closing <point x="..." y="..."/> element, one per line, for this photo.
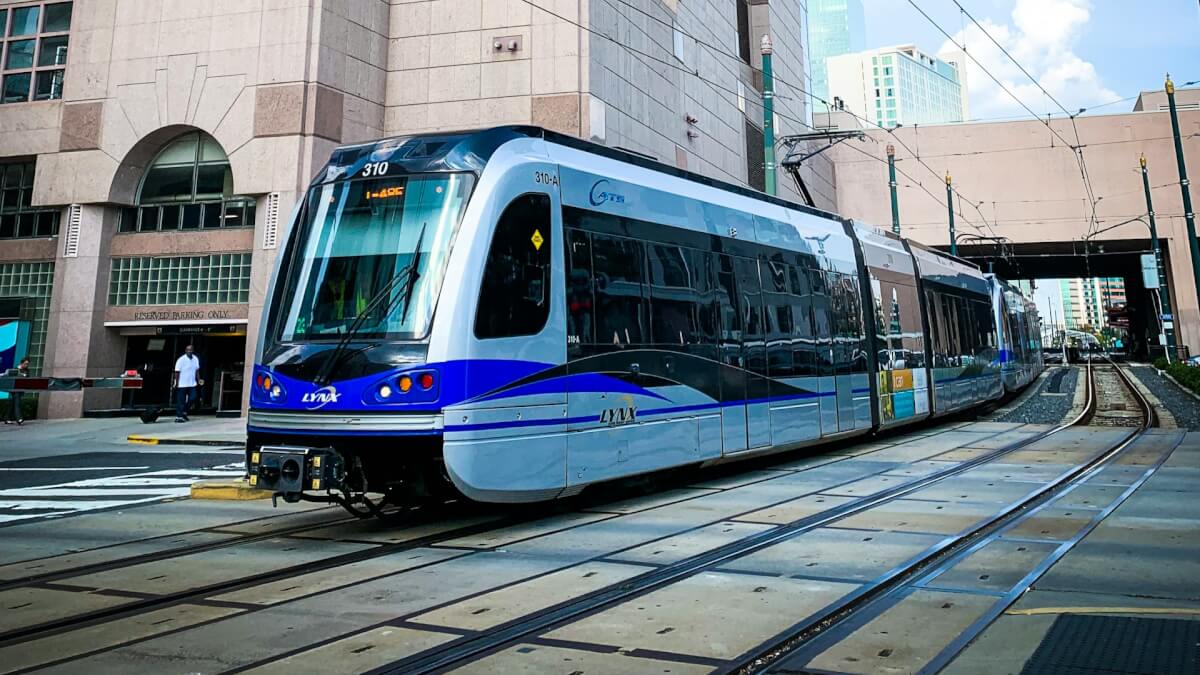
<point x="32" y="280"/>
<point x="33" y="44"/>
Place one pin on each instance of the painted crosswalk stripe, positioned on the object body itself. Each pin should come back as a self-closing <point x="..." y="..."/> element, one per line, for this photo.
<point x="93" y="494"/>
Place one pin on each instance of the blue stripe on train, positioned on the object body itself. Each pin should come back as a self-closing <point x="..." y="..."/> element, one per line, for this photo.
<point x="508" y="424"/>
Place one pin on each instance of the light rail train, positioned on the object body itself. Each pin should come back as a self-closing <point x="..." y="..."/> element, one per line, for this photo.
<point x="513" y="314"/>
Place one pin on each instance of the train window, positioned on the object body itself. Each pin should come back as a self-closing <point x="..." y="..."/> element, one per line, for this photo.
<point x="727" y="301"/>
<point x="913" y="341"/>
<point x="753" y="325"/>
<point x="780" y="309"/>
<point x="514" y="298"/>
<point x="581" y="321"/>
<point x="823" y="330"/>
<point x="750" y="297"/>
<point x="618" y="270"/>
<point x="804" y="346"/>
<point x="680" y="289"/>
<point x="855" y="325"/>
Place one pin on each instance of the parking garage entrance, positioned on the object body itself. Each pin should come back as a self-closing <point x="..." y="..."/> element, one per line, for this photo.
<point x="152" y="351"/>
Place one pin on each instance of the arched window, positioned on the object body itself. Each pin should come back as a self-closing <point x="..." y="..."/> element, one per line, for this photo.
<point x="188" y="186"/>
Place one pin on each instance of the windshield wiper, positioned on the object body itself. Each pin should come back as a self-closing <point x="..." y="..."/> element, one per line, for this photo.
<point x="405" y="278"/>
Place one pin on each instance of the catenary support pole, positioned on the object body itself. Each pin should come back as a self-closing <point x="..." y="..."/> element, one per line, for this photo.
<point x="891" y="154"/>
<point x="768" y="114"/>
<point x="1188" y="214"/>
<point x="1164" y="293"/>
<point x="950" y="209"/>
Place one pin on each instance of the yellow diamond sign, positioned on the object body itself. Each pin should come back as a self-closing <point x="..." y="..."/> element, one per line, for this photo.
<point x="537" y="240"/>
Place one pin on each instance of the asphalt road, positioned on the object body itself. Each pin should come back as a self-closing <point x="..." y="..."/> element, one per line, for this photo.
<point x="58" y="468"/>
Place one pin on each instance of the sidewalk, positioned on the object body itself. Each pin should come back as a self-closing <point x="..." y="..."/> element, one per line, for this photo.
<point x="46" y="437"/>
<point x="214" y="431"/>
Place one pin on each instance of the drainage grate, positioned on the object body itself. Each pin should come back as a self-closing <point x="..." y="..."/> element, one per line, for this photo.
<point x="1078" y="644"/>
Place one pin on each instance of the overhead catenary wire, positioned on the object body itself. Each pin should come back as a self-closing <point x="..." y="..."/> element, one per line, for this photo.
<point x="1075" y="148"/>
<point x="720" y="51"/>
<point x="718" y="87"/>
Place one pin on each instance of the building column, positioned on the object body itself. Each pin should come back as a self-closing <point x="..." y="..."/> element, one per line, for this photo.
<point x="77" y="343"/>
<point x="268" y="238"/>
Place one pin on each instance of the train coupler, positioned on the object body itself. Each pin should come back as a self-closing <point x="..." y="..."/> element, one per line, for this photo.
<point x="290" y="471"/>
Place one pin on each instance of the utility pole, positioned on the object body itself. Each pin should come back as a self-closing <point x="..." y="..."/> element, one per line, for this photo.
<point x="768" y="114"/>
<point x="1188" y="214"/>
<point x="1164" y="294"/>
<point x="891" y="153"/>
<point x="950" y="208"/>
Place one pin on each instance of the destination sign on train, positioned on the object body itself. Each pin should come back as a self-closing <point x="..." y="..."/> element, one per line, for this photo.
<point x="393" y="192"/>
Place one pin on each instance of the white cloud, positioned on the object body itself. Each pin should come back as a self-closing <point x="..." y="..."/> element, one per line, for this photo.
<point x="1042" y="37"/>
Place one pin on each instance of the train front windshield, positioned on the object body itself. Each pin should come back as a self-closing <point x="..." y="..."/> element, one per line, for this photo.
<point x="371" y="257"/>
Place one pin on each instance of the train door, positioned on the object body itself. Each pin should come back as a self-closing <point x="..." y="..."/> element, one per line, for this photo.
<point x="508" y="442"/>
<point x="733" y="362"/>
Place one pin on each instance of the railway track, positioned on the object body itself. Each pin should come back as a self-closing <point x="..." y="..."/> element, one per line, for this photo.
<point x="459" y="652"/>
<point x="60" y="577"/>
<point x="1118" y="404"/>
<point x="1106" y="382"/>
<point x="774" y="651"/>
<point x="473" y="646"/>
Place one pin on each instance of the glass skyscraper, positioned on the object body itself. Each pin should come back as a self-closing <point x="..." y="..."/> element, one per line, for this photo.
<point x="835" y="27"/>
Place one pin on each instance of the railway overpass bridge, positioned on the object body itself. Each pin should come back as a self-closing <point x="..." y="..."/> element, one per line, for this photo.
<point x="1017" y="182"/>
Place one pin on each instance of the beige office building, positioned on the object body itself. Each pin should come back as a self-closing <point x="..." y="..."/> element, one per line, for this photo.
<point x="151" y="150"/>
<point x="1022" y="203"/>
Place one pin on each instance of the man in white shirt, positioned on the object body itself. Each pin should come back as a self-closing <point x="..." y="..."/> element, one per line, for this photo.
<point x="186" y="381"/>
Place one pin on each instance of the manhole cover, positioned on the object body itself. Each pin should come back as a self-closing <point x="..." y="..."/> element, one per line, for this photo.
<point x="1078" y="644"/>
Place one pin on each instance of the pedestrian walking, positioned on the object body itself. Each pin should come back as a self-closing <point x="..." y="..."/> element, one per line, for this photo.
<point x="186" y="381"/>
<point x="14" y="397"/>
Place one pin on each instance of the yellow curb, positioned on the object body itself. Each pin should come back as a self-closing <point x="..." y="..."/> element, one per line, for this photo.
<point x="235" y="490"/>
<point x="142" y="440"/>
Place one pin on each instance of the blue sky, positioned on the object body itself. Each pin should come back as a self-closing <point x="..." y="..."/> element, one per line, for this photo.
<point x="1086" y="52"/>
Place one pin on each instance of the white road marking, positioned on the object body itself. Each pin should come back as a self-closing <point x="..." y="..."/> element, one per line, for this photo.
<point x="91" y="494"/>
<point x="72" y="468"/>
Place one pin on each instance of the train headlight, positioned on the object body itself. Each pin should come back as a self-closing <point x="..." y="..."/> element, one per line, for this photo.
<point x="276" y="392"/>
<point x="405" y="383"/>
<point x="385" y="391"/>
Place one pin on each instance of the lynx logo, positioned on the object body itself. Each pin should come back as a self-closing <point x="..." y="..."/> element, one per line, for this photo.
<point x="321" y="397"/>
<point x="599" y="195"/>
<point x="615" y="417"/>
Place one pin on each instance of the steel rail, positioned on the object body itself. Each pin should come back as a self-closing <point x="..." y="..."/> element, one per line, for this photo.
<point x="141" y="604"/>
<point x="164" y="554"/>
<point x="775" y="652"/>
<point x="456" y="652"/>
<point x="144" y="604"/>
